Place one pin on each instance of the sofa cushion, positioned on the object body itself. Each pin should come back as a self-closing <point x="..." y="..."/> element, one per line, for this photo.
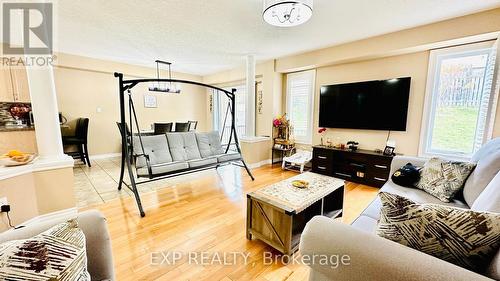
<point x="489" y="200"/>
<point x="416" y="195"/>
<point x="463" y="237"/>
<point x="209" y="144"/>
<point x="487" y="167"/>
<point x="230" y="156"/>
<point x="56" y="254"/>
<point x="202" y="162"/>
<point x="443" y="178"/>
<point x="365" y="223"/>
<point x="163" y="168"/>
<point x="419" y="196"/>
<point x="183" y="146"/>
<point x="154" y="146"/>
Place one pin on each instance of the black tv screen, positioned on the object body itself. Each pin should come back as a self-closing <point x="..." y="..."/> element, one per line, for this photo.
<point x="372" y="105"/>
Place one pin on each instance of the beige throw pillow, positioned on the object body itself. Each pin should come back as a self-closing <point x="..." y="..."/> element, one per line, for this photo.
<point x="56" y="254"/>
<point x="444" y="179"/>
<point x="463" y="237"/>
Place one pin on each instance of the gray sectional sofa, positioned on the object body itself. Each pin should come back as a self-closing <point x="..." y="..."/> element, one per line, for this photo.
<point x="172" y="153"/>
<point x="376" y="258"/>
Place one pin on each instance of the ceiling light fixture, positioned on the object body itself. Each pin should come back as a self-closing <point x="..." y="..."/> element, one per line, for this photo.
<point x="284" y="13"/>
<point x="164" y="87"/>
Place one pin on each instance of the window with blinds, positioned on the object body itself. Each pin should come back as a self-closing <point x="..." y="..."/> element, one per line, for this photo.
<point x="221" y="114"/>
<point x="461" y="100"/>
<point x="299" y="104"/>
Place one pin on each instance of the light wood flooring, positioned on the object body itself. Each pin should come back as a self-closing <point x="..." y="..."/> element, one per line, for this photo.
<point x="203" y="212"/>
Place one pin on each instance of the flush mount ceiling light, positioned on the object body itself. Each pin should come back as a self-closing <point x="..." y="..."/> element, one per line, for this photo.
<point x="287" y="13"/>
<point x="164" y="86"/>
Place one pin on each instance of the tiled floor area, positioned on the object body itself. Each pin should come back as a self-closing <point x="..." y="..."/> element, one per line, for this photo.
<point x="99" y="183"/>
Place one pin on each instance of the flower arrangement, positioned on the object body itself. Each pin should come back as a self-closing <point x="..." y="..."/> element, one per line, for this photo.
<point x="321" y="131"/>
<point x="281" y="121"/>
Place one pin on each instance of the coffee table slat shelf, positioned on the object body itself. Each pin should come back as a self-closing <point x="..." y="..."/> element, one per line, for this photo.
<point x="277" y="214"/>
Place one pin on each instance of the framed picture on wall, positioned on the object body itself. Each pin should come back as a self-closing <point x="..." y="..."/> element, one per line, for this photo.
<point x="150" y="101"/>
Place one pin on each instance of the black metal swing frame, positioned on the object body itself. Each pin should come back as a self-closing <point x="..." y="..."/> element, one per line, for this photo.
<point x="127" y="156"/>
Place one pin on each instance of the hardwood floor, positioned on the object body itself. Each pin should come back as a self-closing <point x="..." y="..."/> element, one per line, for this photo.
<point x="203" y="214"/>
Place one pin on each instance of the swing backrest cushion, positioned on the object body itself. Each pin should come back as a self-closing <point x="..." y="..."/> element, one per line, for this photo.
<point x="209" y="144"/>
<point x="154" y="146"/>
<point x="183" y="146"/>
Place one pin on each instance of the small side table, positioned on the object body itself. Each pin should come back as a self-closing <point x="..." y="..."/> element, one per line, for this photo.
<point x="284" y="152"/>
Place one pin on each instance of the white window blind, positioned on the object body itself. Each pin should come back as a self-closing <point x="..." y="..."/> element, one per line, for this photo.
<point x="299" y="104"/>
<point x="220" y="111"/>
<point x="460" y="100"/>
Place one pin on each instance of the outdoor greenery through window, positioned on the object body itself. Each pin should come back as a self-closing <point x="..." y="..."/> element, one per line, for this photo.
<point x="461" y="101"/>
<point x="299" y="104"/>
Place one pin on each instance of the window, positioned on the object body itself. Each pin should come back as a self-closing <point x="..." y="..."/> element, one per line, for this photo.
<point x="299" y="104"/>
<point x="221" y="102"/>
<point x="459" y="101"/>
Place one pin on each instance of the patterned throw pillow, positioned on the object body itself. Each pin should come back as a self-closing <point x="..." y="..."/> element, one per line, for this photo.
<point x="444" y="179"/>
<point x="463" y="237"/>
<point x="56" y="254"/>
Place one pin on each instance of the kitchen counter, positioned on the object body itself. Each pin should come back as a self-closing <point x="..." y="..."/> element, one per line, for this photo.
<point x="16" y="128"/>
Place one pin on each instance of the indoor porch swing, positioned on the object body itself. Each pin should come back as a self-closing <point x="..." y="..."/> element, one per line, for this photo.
<point x="153" y="171"/>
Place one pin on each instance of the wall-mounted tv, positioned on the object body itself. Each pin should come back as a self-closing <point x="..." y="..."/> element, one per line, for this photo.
<point x="372" y="105"/>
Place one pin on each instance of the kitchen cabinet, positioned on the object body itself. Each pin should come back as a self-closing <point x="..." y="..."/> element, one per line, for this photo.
<point x="14" y="85"/>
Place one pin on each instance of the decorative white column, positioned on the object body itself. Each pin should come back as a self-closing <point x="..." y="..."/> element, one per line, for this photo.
<point x="46" y="114"/>
<point x="250" y="104"/>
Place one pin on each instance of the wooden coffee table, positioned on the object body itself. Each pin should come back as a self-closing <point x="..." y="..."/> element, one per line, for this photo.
<point x="278" y="213"/>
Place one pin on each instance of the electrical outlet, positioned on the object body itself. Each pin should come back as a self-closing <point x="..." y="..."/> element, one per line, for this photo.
<point x="3" y="201"/>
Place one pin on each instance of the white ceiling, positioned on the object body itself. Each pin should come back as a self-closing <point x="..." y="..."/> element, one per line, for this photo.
<point x="206" y="36"/>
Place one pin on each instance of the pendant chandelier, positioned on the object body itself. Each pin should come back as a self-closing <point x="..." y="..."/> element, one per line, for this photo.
<point x="164" y="87"/>
<point x="284" y="13"/>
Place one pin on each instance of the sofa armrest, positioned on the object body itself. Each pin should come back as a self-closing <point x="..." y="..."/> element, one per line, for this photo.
<point x="98" y="243"/>
<point x="399" y="161"/>
<point x="372" y="257"/>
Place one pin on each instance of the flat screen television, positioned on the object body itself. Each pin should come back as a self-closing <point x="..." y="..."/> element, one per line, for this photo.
<point x="372" y="105"/>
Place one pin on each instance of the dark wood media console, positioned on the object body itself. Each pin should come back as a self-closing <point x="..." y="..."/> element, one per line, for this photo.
<point x="360" y="166"/>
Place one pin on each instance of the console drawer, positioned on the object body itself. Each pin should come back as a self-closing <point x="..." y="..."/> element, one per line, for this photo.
<point x="321" y="168"/>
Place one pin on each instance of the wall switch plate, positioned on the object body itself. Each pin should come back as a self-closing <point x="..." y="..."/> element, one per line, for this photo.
<point x="3" y="201"/>
<point x="99" y="109"/>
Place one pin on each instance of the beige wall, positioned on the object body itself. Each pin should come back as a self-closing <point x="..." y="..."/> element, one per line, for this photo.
<point x="83" y="85"/>
<point x="256" y="152"/>
<point x="34" y="193"/>
<point x="398" y="54"/>
<point x="413" y="65"/>
<point x="271" y="90"/>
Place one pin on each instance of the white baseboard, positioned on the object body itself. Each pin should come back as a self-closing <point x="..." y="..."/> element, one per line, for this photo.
<point x="58" y="215"/>
<point x="258" y="164"/>
<point x="104" y="156"/>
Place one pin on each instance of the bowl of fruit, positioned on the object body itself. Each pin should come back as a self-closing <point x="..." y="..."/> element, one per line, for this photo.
<point x="16" y="158"/>
<point x="300" y="183"/>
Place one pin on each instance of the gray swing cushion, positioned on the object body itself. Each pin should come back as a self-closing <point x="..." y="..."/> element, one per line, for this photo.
<point x="230" y="156"/>
<point x="202" y="162"/>
<point x="154" y="146"/>
<point x="183" y="146"/>
<point x="159" y="169"/>
<point x="209" y="144"/>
